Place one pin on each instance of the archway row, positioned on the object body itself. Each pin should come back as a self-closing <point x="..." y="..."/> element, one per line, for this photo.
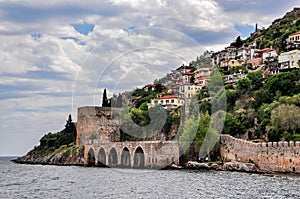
<point x="138" y="158"/>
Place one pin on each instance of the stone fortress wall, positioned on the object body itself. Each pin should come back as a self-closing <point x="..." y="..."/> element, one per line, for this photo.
<point x="98" y="130"/>
<point x="270" y="157"/>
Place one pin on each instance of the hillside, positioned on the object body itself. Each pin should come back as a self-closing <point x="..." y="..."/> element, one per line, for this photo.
<point x="277" y="33"/>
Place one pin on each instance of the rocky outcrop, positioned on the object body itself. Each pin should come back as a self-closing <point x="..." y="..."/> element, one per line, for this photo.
<point x="57" y="159"/>
<point x="63" y="156"/>
<point x="197" y="165"/>
<point x="227" y="166"/>
<point x="239" y="166"/>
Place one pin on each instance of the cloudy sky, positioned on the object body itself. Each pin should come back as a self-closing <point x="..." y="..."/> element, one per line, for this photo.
<point x="59" y="55"/>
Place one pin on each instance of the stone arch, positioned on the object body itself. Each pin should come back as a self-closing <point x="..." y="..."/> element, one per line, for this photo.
<point x="113" y="157"/>
<point x="101" y="157"/>
<point x="125" y="157"/>
<point x="139" y="158"/>
<point x="91" y="157"/>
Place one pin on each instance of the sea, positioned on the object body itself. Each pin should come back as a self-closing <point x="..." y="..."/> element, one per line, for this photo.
<point x="45" y="181"/>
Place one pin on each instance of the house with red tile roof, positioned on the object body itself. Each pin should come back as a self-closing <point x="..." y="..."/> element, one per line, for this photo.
<point x="168" y="102"/>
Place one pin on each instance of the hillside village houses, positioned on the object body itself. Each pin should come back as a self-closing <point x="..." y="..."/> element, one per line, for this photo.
<point x="293" y="41"/>
<point x="186" y="81"/>
<point x="289" y="59"/>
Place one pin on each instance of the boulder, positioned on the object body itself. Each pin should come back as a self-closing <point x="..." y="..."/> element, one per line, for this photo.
<point x="239" y="166"/>
<point x="197" y="165"/>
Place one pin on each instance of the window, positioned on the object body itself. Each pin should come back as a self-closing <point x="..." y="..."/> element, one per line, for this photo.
<point x="172" y="101"/>
<point x="167" y="101"/>
<point x="161" y="101"/>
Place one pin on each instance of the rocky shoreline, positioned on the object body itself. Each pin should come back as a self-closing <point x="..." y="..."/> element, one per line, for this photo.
<point x="57" y="159"/>
<point x="63" y="156"/>
<point x="227" y="166"/>
<point x="60" y="160"/>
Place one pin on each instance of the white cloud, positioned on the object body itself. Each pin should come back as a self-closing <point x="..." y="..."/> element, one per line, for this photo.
<point x="38" y="74"/>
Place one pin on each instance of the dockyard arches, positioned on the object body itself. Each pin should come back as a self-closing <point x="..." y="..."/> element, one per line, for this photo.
<point x="113" y="157"/>
<point x="139" y="158"/>
<point x="91" y="157"/>
<point x="125" y="158"/>
<point x="101" y="157"/>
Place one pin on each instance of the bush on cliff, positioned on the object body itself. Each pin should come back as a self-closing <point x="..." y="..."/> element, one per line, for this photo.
<point x="52" y="141"/>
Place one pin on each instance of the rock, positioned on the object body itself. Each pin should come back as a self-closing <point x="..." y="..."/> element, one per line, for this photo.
<point x="214" y="166"/>
<point x="174" y="166"/>
<point x="239" y="166"/>
<point x="197" y="165"/>
<point x="56" y="159"/>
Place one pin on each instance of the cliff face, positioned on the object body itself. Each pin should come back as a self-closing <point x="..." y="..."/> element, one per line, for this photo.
<point x="72" y="155"/>
<point x="277" y="33"/>
<point x="295" y="13"/>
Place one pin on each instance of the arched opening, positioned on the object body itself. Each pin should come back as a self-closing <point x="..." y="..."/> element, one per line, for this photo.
<point x="139" y="158"/>
<point x="101" y="158"/>
<point x="91" y="158"/>
<point x="125" y="158"/>
<point x="112" y="158"/>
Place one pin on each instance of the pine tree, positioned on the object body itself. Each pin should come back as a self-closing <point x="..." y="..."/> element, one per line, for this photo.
<point x="104" y="99"/>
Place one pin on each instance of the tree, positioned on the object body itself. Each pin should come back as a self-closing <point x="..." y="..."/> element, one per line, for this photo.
<point x="286" y="117"/>
<point x="243" y="86"/>
<point x="282" y="82"/>
<point x="189" y="132"/>
<point x="256" y="80"/>
<point x="233" y="126"/>
<point x="231" y="96"/>
<point x="105" y="101"/>
<point x="238" y="42"/>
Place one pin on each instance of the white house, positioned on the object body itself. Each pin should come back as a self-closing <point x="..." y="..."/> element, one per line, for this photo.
<point x="289" y="59"/>
<point x="168" y="102"/>
<point x="188" y="90"/>
<point x="268" y="54"/>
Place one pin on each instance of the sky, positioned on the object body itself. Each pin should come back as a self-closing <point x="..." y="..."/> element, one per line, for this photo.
<point x="59" y="55"/>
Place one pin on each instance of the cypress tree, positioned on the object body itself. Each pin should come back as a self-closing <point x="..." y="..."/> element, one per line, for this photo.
<point x="104" y="99"/>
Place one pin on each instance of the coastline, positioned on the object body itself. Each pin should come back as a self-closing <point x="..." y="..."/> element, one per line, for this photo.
<point x="191" y="165"/>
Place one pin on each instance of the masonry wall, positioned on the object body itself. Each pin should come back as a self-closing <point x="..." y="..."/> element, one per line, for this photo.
<point x="97" y="123"/>
<point x="271" y="156"/>
<point x="157" y="154"/>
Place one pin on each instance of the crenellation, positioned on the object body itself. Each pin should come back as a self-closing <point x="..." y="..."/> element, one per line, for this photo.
<point x="285" y="144"/>
<point x="272" y="156"/>
<point x="270" y="144"/>
<point x="280" y="144"/>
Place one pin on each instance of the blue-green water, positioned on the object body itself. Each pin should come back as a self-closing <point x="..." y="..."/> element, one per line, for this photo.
<point x="40" y="181"/>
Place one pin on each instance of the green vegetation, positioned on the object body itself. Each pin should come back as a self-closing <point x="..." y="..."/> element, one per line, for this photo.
<point x="51" y="142"/>
<point x="276" y="34"/>
<point x="137" y="116"/>
<point x="266" y="109"/>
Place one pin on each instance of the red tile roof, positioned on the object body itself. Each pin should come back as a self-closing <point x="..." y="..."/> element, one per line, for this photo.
<point x="189" y="73"/>
<point x="296" y="33"/>
<point x="168" y="97"/>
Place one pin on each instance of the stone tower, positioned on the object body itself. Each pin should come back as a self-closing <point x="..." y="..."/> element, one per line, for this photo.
<point x="96" y="124"/>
